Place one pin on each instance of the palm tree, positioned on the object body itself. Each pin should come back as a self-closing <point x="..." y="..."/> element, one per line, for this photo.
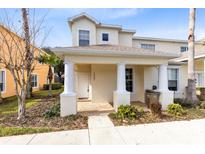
<point x="52" y="60"/>
<point x="191" y="89"/>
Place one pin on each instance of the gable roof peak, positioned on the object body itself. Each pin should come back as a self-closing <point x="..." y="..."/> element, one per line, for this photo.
<point x="83" y="14"/>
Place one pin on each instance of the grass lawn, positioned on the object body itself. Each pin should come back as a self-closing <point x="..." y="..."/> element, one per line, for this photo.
<point x="35" y="121"/>
<point x="11" y="105"/>
<point x="44" y="93"/>
<point x="8" y="131"/>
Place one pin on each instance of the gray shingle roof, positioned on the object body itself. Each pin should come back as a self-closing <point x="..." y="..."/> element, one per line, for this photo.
<point x="115" y="50"/>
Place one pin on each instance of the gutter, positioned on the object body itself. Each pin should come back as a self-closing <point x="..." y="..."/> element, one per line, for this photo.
<point x="110" y="53"/>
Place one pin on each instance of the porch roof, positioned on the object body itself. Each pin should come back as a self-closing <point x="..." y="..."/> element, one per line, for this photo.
<point x="184" y="56"/>
<point x="111" y="50"/>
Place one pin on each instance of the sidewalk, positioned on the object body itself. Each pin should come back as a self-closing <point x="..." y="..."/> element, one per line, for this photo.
<point x="102" y="131"/>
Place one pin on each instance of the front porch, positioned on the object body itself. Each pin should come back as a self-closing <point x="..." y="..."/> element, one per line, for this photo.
<point x="112" y="73"/>
<point x="99" y="88"/>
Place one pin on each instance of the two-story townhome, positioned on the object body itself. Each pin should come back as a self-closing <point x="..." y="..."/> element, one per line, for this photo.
<point x="39" y="74"/>
<point x="109" y="64"/>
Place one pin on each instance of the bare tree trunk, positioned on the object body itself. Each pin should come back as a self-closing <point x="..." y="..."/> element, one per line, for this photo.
<point x="29" y="54"/>
<point x="21" y="100"/>
<point x="50" y="78"/>
<point x="191" y="89"/>
<point x="21" y="106"/>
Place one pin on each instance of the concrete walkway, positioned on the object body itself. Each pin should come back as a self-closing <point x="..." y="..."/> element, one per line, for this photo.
<point x="102" y="131"/>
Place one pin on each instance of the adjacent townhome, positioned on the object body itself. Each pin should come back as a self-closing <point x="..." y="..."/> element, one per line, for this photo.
<point x="39" y="75"/>
<point x="109" y="64"/>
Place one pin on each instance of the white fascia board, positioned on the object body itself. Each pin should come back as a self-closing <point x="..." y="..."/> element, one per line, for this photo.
<point x="81" y="15"/>
<point x="110" y="26"/>
<point x="109" y="53"/>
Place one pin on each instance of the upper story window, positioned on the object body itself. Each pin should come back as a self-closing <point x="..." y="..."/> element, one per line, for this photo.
<point x="148" y="46"/>
<point x="173" y="79"/>
<point x="34" y="80"/>
<point x="183" y="49"/>
<point x="105" y="37"/>
<point x="2" y="80"/>
<point x="84" y="37"/>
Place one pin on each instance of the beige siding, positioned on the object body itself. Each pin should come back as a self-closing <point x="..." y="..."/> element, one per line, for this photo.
<point x="83" y="24"/>
<point x="103" y="80"/>
<point x="199" y="65"/>
<point x="125" y="39"/>
<point x="200" y="48"/>
<point x="182" y="82"/>
<point x="114" y="60"/>
<point x="169" y="47"/>
<point x="138" y="84"/>
<point x="113" y="36"/>
<point x="150" y="76"/>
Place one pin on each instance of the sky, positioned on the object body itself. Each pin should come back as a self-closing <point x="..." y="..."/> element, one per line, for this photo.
<point x="160" y="23"/>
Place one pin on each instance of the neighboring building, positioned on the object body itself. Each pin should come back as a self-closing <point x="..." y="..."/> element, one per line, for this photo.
<point x="107" y="63"/>
<point x="39" y="75"/>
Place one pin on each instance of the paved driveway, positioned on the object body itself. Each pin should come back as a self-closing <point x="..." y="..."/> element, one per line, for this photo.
<point x="102" y="131"/>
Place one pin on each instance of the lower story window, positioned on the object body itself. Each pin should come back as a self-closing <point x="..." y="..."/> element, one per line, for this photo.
<point x="129" y="79"/>
<point x="173" y="79"/>
<point x="2" y="80"/>
<point x="34" y="80"/>
<point x="199" y="77"/>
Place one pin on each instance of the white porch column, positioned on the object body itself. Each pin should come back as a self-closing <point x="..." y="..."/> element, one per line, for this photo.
<point x="163" y="79"/>
<point x="121" y="77"/>
<point x="69" y="78"/>
<point x="68" y="101"/>
<point x="121" y="96"/>
<point x="166" y="96"/>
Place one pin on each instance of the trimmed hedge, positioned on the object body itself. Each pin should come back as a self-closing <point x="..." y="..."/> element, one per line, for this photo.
<point x="175" y="109"/>
<point x="55" y="86"/>
<point x="128" y="112"/>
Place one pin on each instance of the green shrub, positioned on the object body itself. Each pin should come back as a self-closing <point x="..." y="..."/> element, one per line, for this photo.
<point x="202" y="105"/>
<point x="55" y="86"/>
<point x="53" y="112"/>
<point x="183" y="102"/>
<point x="175" y="109"/>
<point x="128" y="111"/>
<point x="156" y="108"/>
<point x="178" y="101"/>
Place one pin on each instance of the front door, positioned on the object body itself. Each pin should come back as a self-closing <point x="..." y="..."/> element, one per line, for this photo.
<point x="83" y="85"/>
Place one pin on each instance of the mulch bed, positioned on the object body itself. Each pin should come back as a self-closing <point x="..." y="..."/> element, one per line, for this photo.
<point x="148" y="117"/>
<point x="35" y="118"/>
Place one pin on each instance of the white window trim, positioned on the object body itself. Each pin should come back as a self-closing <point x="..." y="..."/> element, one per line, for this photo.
<point x="133" y="79"/>
<point x="175" y="67"/>
<point x="4" y="70"/>
<point x="185" y="50"/>
<point x="87" y="29"/>
<point x="148" y="44"/>
<point x="101" y="37"/>
<point x="202" y="72"/>
<point x="37" y="80"/>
